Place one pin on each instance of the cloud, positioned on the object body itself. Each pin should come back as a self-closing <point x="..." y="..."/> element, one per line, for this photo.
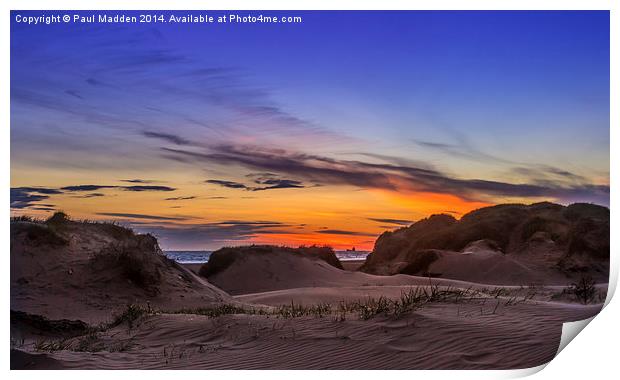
<point x="279" y="184"/>
<point x="462" y="150"/>
<point x="147" y="188"/>
<point x="138" y="181"/>
<point x="544" y="173"/>
<point x="343" y="232"/>
<point x="74" y="93"/>
<point x="42" y="208"/>
<point x="451" y="212"/>
<point x="180" y="198"/>
<point x="40" y="190"/>
<point x="228" y="184"/>
<point x="91" y="195"/>
<point x="400" y="222"/>
<point x="267" y="179"/>
<point x="535" y="173"/>
<point x="26" y="197"/>
<point x="25" y="200"/>
<point x="77" y="188"/>
<point x="174" y="139"/>
<point x="326" y="170"/>
<point x="212" y="235"/>
<point x="140" y="216"/>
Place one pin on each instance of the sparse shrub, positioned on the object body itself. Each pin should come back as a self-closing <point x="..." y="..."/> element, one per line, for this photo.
<point x="58" y="218"/>
<point x="296" y="311"/>
<point x="115" y="230"/>
<point x="584" y="290"/>
<point x="135" y="261"/>
<point x="25" y="218"/>
<point x="89" y="343"/>
<point x="63" y="327"/>
<point x="52" y="345"/>
<point x="325" y="253"/>
<point x="39" y="234"/>
<point x="372" y="307"/>
<point x="130" y="315"/>
<point x="420" y="263"/>
<point x="218" y="262"/>
<point x="218" y="310"/>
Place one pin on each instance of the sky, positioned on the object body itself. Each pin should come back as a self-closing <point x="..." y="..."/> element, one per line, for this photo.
<point x="329" y="131"/>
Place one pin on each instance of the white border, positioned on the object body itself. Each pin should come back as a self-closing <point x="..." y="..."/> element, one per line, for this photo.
<point x="592" y="353"/>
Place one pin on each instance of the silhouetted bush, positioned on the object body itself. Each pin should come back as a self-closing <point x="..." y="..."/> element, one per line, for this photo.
<point x="584" y="290"/>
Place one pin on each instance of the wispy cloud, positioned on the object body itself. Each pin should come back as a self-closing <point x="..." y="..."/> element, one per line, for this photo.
<point x="141" y="216"/>
<point x="177" y="140"/>
<point x="40" y="190"/>
<point x="343" y="232"/>
<point x="208" y="234"/>
<point x="139" y="181"/>
<point x="462" y="150"/>
<point x="78" y="188"/>
<point x="400" y="222"/>
<point x="180" y="198"/>
<point x="86" y="187"/>
<point x="325" y="170"/>
<point x="147" y="188"/>
<point x="91" y="195"/>
<point x="228" y="184"/>
<point x="26" y="197"/>
<point x="271" y="181"/>
<point x="268" y="184"/>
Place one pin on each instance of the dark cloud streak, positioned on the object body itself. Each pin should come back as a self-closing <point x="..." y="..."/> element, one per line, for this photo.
<point x="174" y="139"/>
<point x="141" y="216"/>
<point x="400" y="222"/>
<point x="343" y="232"/>
<point x="325" y="170"/>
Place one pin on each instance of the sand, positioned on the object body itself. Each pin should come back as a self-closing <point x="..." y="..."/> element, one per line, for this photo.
<point x="439" y="336"/>
<point x="65" y="280"/>
<point x="493" y="326"/>
<point x="352" y="265"/>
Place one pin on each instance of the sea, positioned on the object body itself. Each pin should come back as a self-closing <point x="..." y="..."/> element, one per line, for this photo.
<point x="200" y="257"/>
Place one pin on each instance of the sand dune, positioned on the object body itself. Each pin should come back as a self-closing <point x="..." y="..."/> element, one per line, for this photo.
<point x="68" y="279"/>
<point x="249" y="270"/>
<point x="255" y="273"/>
<point x="542" y="242"/>
<point x="90" y="271"/>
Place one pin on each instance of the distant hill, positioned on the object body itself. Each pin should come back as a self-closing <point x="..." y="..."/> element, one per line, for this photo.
<point x="541" y="241"/>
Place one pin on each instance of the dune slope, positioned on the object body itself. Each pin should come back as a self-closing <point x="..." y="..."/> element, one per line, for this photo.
<point x="439" y="336"/>
<point x="89" y="271"/>
<point x="542" y="242"/>
<point x="261" y="268"/>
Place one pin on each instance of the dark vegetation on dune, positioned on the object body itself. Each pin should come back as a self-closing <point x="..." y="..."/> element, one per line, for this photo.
<point x="44" y="326"/>
<point x="577" y="235"/>
<point x="102" y="262"/>
<point x="135" y="257"/>
<point x="420" y="263"/>
<point x="225" y="257"/>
